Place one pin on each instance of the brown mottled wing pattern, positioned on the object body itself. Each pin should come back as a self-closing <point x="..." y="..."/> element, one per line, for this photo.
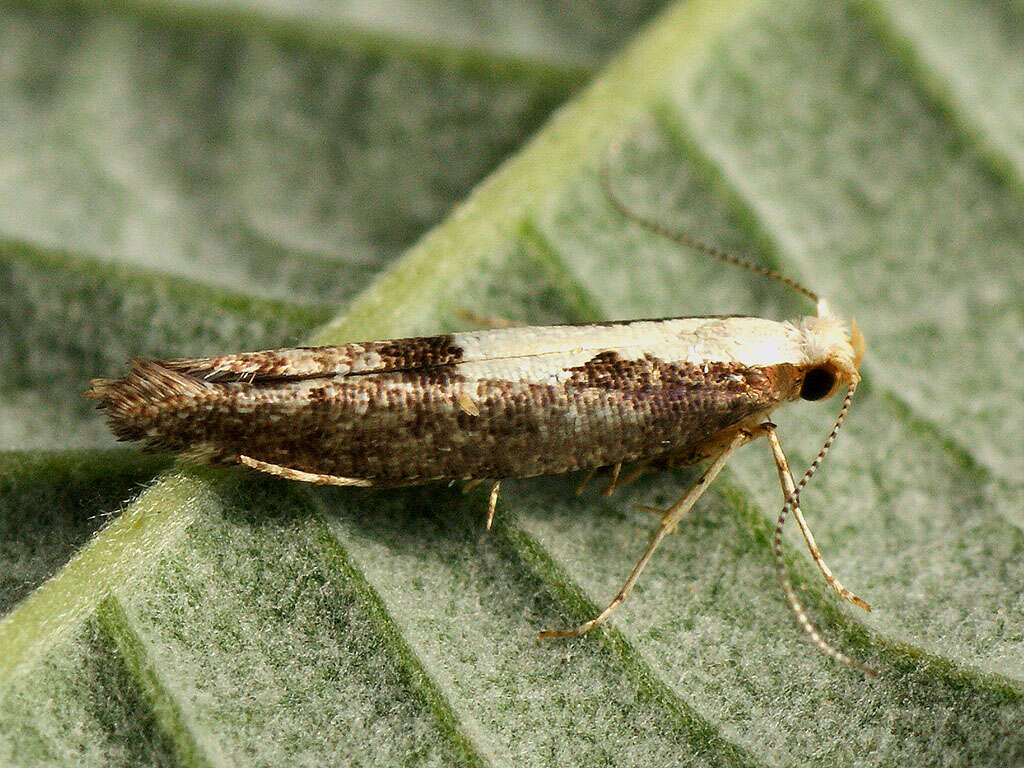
<point x="516" y="402"/>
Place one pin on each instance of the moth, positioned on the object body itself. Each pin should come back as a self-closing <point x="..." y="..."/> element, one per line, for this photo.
<point x="509" y="403"/>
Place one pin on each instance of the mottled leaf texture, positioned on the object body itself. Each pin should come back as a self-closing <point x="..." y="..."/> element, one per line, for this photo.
<point x="197" y="177"/>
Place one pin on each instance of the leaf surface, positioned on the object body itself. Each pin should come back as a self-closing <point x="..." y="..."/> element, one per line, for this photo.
<point x="224" y="618"/>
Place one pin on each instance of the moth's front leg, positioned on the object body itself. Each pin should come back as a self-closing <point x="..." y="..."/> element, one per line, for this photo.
<point x="788" y="491"/>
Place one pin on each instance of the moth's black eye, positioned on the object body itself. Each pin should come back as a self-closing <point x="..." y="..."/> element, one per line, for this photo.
<point x="818" y="382"/>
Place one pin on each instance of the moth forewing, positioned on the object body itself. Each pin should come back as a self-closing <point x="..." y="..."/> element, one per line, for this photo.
<point x="487" y="404"/>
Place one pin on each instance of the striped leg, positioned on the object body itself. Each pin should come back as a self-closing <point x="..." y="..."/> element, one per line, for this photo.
<point x="669" y="520"/>
<point x="789" y="491"/>
<point x="791" y="503"/>
<point x="492" y="503"/>
<point x="289" y="473"/>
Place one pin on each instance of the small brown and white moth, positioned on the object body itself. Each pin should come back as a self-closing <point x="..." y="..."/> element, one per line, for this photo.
<point x="508" y="402"/>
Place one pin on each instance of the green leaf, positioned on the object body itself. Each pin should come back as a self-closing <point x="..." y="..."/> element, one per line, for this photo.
<point x="187" y="175"/>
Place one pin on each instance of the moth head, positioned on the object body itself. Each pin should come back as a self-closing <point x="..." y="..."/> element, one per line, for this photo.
<point x="831" y="356"/>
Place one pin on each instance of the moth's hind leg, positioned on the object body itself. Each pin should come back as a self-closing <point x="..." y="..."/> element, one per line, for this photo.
<point x="492" y="500"/>
<point x="634" y="473"/>
<point x="586" y="479"/>
<point x="670" y="518"/>
<point x="290" y="473"/>
<point x="617" y="480"/>
<point x="616" y="469"/>
<point x="492" y="503"/>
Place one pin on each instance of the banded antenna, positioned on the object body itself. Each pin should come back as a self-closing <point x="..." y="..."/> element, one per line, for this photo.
<point x="682" y="238"/>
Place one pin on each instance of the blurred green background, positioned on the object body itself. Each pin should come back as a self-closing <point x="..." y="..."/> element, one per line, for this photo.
<point x="188" y="178"/>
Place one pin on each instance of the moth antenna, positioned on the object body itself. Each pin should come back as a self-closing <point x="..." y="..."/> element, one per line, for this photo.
<point x="686" y="240"/>
<point x="780" y="565"/>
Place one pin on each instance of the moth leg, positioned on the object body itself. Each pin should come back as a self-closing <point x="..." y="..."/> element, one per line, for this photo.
<point x="788" y="489"/>
<point x="306" y="477"/>
<point x="633" y="475"/>
<point x="492" y="502"/>
<point x="615" y="479"/>
<point x="670" y="518"/>
<point x="586" y="479"/>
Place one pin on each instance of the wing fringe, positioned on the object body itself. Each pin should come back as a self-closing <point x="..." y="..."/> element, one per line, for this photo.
<point x="131" y="403"/>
